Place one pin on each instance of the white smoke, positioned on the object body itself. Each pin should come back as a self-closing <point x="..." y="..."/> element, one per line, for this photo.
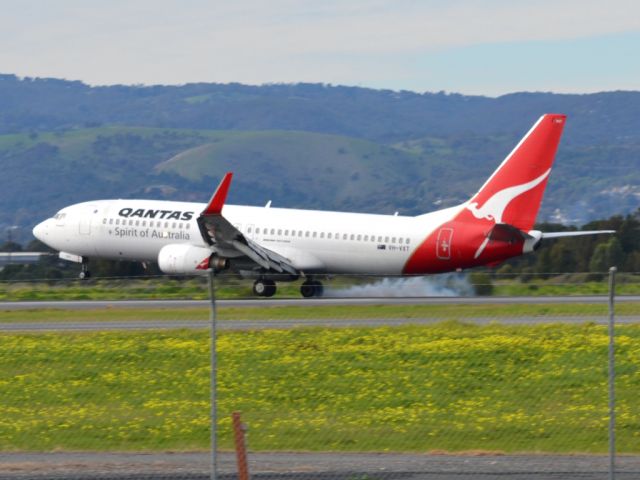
<point x="444" y="285"/>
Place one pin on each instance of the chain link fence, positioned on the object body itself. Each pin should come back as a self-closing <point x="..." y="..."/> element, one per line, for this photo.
<point x="399" y="386"/>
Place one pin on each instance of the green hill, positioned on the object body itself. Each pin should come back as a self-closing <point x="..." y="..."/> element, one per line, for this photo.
<point x="43" y="172"/>
<point x="310" y="169"/>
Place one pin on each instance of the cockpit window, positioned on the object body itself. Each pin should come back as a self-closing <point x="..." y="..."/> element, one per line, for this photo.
<point x="60" y="218"/>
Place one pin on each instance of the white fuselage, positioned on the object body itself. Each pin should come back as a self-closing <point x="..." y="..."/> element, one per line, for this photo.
<point x="319" y="241"/>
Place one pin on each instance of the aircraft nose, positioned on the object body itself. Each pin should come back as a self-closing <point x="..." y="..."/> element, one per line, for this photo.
<point x="40" y="231"/>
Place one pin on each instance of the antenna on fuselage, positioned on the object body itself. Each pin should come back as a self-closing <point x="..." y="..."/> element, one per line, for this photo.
<point x="268" y="204"/>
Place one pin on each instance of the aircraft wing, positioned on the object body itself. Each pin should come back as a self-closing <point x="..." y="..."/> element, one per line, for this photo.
<point x="218" y="232"/>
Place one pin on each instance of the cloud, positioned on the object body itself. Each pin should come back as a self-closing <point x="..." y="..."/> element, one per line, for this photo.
<point x="253" y="41"/>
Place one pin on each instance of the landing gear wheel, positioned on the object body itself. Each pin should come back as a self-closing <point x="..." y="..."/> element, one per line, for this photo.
<point x="311" y="288"/>
<point x="84" y="273"/>
<point x="264" y="288"/>
<point x="307" y="290"/>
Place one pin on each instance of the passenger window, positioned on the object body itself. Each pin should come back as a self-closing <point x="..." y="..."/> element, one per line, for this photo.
<point x="315" y="234"/>
<point x="188" y="226"/>
<point x="111" y="221"/>
<point x="393" y="240"/>
<point x="366" y="238"/>
<point x="273" y="231"/>
<point x="104" y="221"/>
<point x="321" y="234"/>
<point x="144" y="223"/>
<point x="166" y="224"/>
<point x="344" y="236"/>
<point x="380" y="238"/>
<point x="249" y="230"/>
<point x="117" y="221"/>
<point x="352" y="237"/>
<point x="257" y="230"/>
<point x="300" y="233"/>
<point x="131" y="223"/>
<point x="286" y="233"/>
<point x="359" y="237"/>
<point x="137" y="223"/>
<point x="279" y="231"/>
<point x="307" y="234"/>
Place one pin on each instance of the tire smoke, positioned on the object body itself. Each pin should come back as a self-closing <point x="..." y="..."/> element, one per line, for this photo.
<point x="444" y="285"/>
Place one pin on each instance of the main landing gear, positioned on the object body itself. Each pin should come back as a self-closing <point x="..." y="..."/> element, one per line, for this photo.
<point x="312" y="288"/>
<point x="264" y="287"/>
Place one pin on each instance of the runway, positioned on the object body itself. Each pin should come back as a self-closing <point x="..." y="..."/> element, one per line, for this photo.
<point x="308" y="302"/>
<point x="308" y="466"/>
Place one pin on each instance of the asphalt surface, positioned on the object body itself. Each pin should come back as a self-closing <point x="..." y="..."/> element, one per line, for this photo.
<point x="314" y="302"/>
<point x="347" y="466"/>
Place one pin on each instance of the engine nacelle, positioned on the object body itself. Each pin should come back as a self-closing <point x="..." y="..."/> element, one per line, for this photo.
<point x="189" y="259"/>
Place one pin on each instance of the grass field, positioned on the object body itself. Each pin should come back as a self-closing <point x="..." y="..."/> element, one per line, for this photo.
<point x="440" y="312"/>
<point x="449" y="386"/>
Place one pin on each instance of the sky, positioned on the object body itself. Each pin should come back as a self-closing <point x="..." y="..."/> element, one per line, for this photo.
<point x="484" y="47"/>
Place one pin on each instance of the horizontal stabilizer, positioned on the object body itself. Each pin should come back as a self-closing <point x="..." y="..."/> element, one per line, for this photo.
<point x="576" y="233"/>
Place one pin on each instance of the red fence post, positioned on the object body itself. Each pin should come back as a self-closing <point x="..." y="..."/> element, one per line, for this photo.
<point x="241" y="447"/>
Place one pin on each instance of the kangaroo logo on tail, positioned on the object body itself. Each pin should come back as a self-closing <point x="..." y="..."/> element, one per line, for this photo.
<point x="494" y="208"/>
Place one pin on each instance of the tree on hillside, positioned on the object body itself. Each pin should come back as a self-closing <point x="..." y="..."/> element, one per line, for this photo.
<point x="607" y="255"/>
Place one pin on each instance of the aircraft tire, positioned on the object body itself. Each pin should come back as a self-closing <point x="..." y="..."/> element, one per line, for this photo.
<point x="307" y="289"/>
<point x="260" y="287"/>
<point x="270" y="291"/>
<point x="311" y="288"/>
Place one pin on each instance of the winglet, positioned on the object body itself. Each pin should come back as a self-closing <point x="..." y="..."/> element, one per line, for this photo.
<point x="218" y="198"/>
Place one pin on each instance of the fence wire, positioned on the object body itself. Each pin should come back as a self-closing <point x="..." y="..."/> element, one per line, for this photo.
<point x="447" y="387"/>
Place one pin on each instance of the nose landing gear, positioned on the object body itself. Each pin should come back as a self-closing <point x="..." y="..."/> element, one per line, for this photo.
<point x="84" y="273"/>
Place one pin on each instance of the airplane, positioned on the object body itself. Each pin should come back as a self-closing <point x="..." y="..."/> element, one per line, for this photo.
<point x="280" y="244"/>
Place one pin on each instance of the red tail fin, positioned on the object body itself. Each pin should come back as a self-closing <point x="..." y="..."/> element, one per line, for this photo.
<point x="514" y="192"/>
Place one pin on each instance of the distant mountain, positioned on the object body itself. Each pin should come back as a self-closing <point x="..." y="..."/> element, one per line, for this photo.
<point x="306" y="145"/>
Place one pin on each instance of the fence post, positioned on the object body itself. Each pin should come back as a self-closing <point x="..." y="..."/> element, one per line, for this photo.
<point x="612" y="375"/>
<point x="241" y="447"/>
<point x="214" y="372"/>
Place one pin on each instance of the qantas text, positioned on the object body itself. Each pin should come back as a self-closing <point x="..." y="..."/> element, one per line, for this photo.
<point x="160" y="214"/>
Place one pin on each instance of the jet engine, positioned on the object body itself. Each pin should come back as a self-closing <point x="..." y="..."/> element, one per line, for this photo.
<point x="188" y="259"/>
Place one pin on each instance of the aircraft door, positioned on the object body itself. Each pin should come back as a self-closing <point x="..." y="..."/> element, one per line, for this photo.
<point x="87" y="216"/>
<point x="443" y="244"/>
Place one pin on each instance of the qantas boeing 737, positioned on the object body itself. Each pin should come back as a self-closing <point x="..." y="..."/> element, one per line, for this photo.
<point x="269" y="244"/>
